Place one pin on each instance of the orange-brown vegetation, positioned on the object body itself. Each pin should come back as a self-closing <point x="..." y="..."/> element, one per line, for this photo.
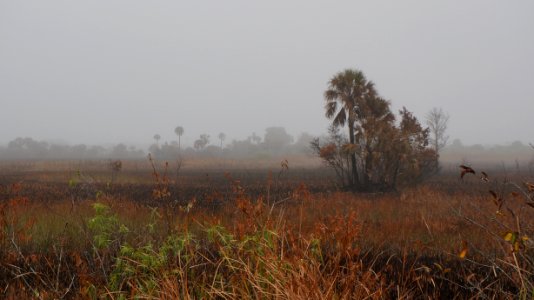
<point x="287" y="234"/>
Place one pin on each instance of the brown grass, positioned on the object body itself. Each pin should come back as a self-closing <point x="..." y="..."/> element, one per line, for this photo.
<point x="281" y="241"/>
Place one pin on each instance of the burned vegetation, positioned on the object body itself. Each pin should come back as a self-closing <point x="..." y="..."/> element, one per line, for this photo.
<point x="379" y="220"/>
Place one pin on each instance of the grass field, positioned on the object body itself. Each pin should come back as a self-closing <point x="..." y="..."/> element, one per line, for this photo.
<point x="232" y="230"/>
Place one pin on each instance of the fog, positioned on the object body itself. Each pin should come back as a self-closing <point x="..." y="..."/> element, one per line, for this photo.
<point x="108" y="72"/>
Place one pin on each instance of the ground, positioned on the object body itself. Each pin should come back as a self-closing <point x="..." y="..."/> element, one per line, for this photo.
<point x="228" y="229"/>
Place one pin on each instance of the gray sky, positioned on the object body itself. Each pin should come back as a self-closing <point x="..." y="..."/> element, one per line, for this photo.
<point x="104" y="71"/>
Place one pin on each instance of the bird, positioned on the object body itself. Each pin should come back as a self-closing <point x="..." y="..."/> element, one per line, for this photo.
<point x="484" y="176"/>
<point x="465" y="170"/>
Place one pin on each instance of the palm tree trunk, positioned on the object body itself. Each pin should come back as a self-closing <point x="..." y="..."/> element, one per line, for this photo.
<point x="366" y="181"/>
<point x="355" y="178"/>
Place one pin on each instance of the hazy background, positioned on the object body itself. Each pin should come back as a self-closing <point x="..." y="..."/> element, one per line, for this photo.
<point x="122" y="71"/>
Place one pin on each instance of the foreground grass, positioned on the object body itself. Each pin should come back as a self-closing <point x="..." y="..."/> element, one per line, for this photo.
<point x="424" y="242"/>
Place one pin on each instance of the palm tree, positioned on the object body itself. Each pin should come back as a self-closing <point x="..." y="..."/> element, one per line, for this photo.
<point x="179" y="130"/>
<point x="157" y="137"/>
<point x="346" y="92"/>
<point x="222" y="137"/>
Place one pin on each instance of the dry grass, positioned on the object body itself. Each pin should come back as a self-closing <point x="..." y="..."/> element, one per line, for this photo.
<point x="269" y="244"/>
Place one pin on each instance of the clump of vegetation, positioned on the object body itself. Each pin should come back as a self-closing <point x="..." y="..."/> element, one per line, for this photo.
<point x="378" y="155"/>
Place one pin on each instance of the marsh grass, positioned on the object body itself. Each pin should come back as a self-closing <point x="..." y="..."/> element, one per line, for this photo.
<point x="296" y="245"/>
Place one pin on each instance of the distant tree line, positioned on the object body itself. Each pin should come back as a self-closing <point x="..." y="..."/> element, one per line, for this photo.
<point x="276" y="141"/>
<point x="516" y="153"/>
<point x="30" y="149"/>
<point x="515" y="147"/>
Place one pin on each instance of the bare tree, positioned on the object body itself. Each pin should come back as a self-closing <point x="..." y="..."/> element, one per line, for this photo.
<point x="334" y="154"/>
<point x="437" y="121"/>
<point x="115" y="166"/>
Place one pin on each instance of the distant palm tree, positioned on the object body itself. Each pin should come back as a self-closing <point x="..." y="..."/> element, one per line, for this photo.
<point x="222" y="137"/>
<point x="157" y="137"/>
<point x="346" y="91"/>
<point x="179" y="132"/>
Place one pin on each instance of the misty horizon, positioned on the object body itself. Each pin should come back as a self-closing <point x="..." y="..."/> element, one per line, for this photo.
<point x="119" y="72"/>
<point x="188" y="142"/>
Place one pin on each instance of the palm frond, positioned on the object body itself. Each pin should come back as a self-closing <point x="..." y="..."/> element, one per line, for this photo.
<point x="331" y="95"/>
<point x="331" y="109"/>
<point x="340" y="118"/>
